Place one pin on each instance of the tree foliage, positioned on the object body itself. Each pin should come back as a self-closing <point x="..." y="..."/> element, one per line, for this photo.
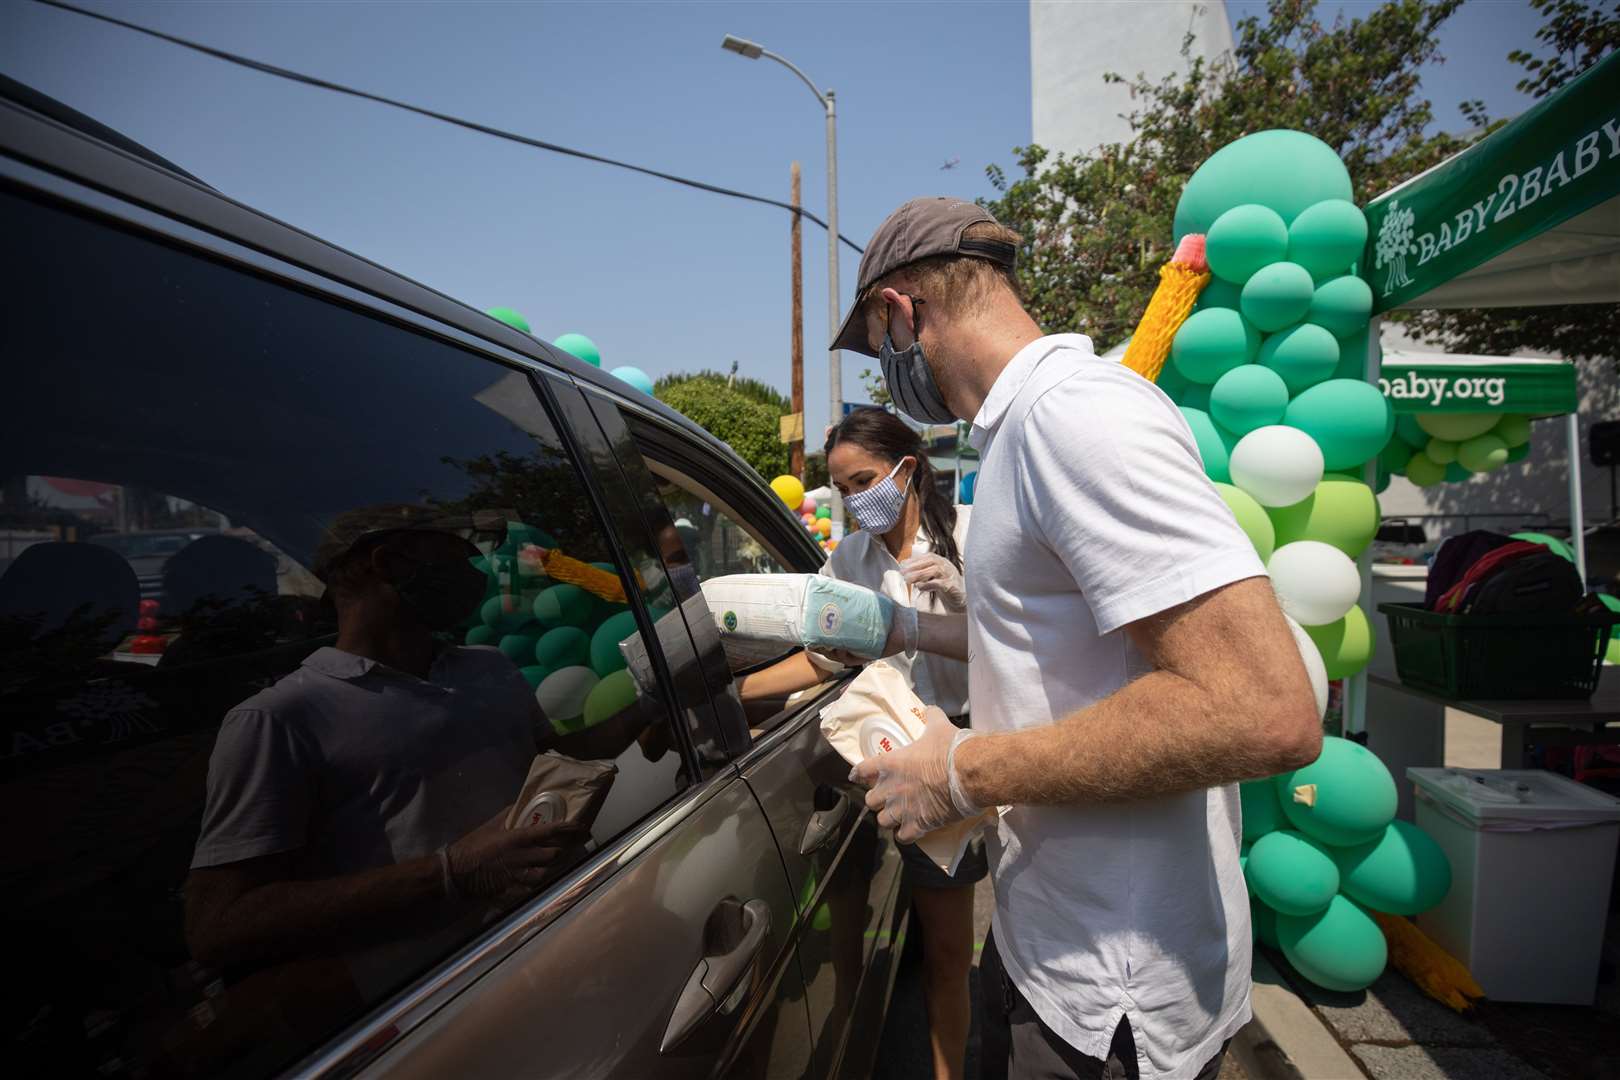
<point x="743" y="413"/>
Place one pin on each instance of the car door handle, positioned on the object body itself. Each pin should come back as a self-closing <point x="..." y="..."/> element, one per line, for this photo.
<point x="709" y="988"/>
<point x="823" y="824"/>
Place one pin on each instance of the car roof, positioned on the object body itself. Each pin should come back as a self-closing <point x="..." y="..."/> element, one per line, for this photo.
<point x="49" y="135"/>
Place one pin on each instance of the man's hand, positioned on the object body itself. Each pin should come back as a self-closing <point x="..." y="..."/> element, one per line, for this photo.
<point x="495" y="863"/>
<point x="910" y="788"/>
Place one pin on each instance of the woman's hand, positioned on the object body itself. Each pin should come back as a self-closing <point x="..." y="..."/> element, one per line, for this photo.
<point x="936" y="574"/>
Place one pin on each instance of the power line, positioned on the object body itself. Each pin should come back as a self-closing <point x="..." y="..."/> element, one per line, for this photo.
<point x="470" y="125"/>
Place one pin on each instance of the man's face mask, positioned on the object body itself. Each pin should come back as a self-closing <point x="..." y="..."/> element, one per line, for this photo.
<point x="443" y="592"/>
<point x="911" y="381"/>
<point x="878" y="507"/>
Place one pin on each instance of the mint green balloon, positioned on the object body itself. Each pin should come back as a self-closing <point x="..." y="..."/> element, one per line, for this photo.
<point x="1403" y="872"/>
<point x="1341" y="512"/>
<point x="1303" y="355"/>
<point x="1551" y="543"/>
<point x="1423" y="471"/>
<point x="1211" y="343"/>
<point x="563" y="605"/>
<point x="1292" y="873"/>
<point x="1244" y="239"/>
<point x="509" y="317"/>
<point x="1327" y="237"/>
<point x="1349" y="419"/>
<point x="1353" y="357"/>
<point x="1441" y="452"/>
<point x="1262" y="813"/>
<point x="1341" y="948"/>
<point x="1219" y="293"/>
<point x="1196" y="396"/>
<point x="1513" y="429"/>
<point x="1287" y="171"/>
<point x="605" y="655"/>
<point x="1276" y="296"/>
<point x="635" y="377"/>
<point x="581" y="347"/>
<point x="1342" y="305"/>
<point x="563" y="646"/>
<point x="1264" y="921"/>
<point x="1214" y="444"/>
<point x="610" y="697"/>
<point x="483" y="634"/>
<point x="1346" y="796"/>
<point x="1483" y="453"/>
<point x="1248" y="397"/>
<point x="1251" y="518"/>
<point x="1346" y="645"/>
<point x="519" y="647"/>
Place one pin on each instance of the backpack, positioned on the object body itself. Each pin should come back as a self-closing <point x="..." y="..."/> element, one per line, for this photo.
<point x="1539" y="584"/>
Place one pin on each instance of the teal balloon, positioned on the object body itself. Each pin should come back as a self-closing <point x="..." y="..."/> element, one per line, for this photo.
<point x="580" y="346"/>
<point x="563" y="605"/>
<point x="1214" y="444"/>
<point x="1244" y="239"/>
<point x="610" y="697"/>
<point x="1219" y="293"/>
<point x="1410" y="431"/>
<point x="1292" y="873"/>
<point x="1518" y="453"/>
<point x="504" y="613"/>
<point x="1341" y="306"/>
<point x="605" y="655"/>
<point x="1346" y="796"/>
<point x="1196" y="396"/>
<point x="1262" y="813"/>
<point x="1264" y="922"/>
<point x="1276" y="296"/>
<point x="534" y="674"/>
<point x="1353" y="356"/>
<point x="1287" y="171"/>
<point x="1349" y="419"/>
<point x="519" y="647"/>
<point x="509" y="317"/>
<point x="1341" y="948"/>
<point x="1403" y="872"/>
<point x="1248" y="397"/>
<point x="1328" y="237"/>
<point x="1211" y="343"/>
<point x="1456" y="473"/>
<point x="1395" y="454"/>
<point x="483" y="634"/>
<point x="1303" y="355"/>
<point x="635" y="377"/>
<point x="563" y="646"/>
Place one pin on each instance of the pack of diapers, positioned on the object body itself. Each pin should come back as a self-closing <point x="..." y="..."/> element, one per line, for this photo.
<point x="812" y="610"/>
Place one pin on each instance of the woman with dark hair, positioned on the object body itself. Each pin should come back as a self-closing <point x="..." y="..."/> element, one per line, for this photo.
<point x="909" y="549"/>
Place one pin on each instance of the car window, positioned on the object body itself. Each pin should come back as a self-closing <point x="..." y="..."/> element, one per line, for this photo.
<point x="299" y="610"/>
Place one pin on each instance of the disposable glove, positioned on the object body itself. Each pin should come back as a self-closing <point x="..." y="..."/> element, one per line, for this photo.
<point x="913" y="789"/>
<point x="499" y="864"/>
<point x="936" y="574"/>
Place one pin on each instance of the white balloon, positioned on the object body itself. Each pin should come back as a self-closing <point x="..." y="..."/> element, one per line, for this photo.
<point x="562" y="694"/>
<point x="1314" y="667"/>
<point x="1315" y="582"/>
<point x="1278" y="465"/>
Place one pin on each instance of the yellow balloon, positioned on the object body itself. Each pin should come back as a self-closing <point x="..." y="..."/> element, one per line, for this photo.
<point x="789" y="490"/>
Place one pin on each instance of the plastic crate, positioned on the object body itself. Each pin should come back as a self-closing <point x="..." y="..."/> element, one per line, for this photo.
<point x="1499" y="657"/>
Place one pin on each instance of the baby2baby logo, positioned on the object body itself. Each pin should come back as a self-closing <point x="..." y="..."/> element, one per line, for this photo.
<point x="1438" y="389"/>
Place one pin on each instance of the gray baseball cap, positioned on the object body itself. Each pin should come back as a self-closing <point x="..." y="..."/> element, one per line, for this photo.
<point x="922" y="228"/>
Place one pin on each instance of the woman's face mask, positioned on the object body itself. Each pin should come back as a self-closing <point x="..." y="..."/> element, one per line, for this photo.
<point x="878" y="507"/>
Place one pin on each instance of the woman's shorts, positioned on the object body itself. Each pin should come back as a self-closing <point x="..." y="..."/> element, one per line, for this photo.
<point x="923" y="872"/>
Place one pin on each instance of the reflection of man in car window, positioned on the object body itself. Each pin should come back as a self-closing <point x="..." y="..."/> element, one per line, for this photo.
<point x="359" y="800"/>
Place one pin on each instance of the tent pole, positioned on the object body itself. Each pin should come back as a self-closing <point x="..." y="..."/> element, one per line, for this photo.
<point x="1355" y="687"/>
<point x="1577" y="513"/>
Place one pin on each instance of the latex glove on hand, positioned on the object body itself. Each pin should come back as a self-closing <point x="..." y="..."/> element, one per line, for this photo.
<point x="936" y="574"/>
<point x="502" y="865"/>
<point x="914" y="789"/>
<point x="902" y="638"/>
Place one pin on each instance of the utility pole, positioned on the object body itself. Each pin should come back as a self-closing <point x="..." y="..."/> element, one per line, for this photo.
<point x="796" y="450"/>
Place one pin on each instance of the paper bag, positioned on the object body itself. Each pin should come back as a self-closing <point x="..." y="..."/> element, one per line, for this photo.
<point x="879" y="713"/>
<point x="560" y="788"/>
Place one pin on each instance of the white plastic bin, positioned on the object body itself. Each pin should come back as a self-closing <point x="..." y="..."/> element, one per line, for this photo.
<point x="1532" y="857"/>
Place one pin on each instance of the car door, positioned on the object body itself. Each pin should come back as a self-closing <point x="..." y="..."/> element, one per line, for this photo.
<point x="844" y="871"/>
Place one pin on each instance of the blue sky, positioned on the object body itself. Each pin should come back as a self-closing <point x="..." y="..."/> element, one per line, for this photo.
<point x="662" y="277"/>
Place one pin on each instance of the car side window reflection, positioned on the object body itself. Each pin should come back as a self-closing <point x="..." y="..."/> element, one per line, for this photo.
<point x="315" y="659"/>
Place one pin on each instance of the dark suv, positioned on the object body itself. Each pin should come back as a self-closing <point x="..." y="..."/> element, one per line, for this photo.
<point x="734" y="909"/>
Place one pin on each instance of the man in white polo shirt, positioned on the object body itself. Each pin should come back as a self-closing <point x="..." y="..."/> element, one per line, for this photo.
<point x="1128" y="663"/>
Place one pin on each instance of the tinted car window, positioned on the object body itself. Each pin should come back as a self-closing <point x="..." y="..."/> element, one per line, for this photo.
<point x="253" y="782"/>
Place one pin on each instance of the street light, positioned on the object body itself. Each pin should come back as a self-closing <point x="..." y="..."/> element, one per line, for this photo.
<point x="835" y="367"/>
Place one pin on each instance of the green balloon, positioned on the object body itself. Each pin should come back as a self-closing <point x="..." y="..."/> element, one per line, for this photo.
<point x="1395" y="454"/>
<point x="504" y="613"/>
<point x="509" y="317"/>
<point x="605" y="655"/>
<point x="1346" y="796"/>
<point x="1248" y="397"/>
<point x="1381" y="481"/>
<point x="1328" y="237"/>
<point x="1513" y="429"/>
<point x="1303" y="355"/>
<point x="1276" y="296"/>
<point x="564" y="605"/>
<point x="581" y="347"/>
<point x="1342" y="305"/>
<point x="519" y="648"/>
<point x="1407" y="427"/>
<point x="610" y="697"/>
<point x="1265" y="924"/>
<point x="1219" y="293"/>
<point x="1349" y="419"/>
<point x="1440" y="451"/>
<point x="1196" y="396"/>
<point x="1483" y="453"/>
<point x="1292" y="873"/>
<point x="1457" y="427"/>
<point x="534" y="675"/>
<point x="1262" y="813"/>
<point x="1341" y="948"/>
<point x="1423" y="471"/>
<point x="1353" y="357"/>
<point x="1251" y="518"/>
<point x="483" y="634"/>
<point x="1346" y="645"/>
<point x="1403" y="872"/>
<point x="1612" y="654"/>
<point x="823" y="512"/>
<point x="1287" y="171"/>
<point x="1518" y="453"/>
<point x="1211" y="343"/>
<point x="1340" y="512"/>
<point x="1455" y="473"/>
<point x="1214" y="444"/>
<point x="1244" y="239"/>
<point x="1551" y="543"/>
<point x="563" y="646"/>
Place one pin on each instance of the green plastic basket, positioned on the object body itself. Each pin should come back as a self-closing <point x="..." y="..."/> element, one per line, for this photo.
<point x="1499" y="657"/>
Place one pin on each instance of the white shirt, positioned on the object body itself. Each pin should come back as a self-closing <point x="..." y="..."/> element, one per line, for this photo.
<point x="1092" y="511"/>
<point x="862" y="558"/>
